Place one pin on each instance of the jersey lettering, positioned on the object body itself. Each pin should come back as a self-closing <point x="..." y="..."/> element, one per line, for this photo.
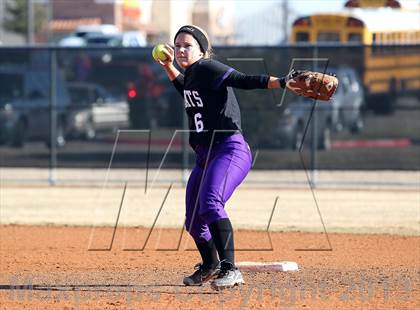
<point x="192" y="99"/>
<point x="187" y="99"/>
<point x="197" y="98"/>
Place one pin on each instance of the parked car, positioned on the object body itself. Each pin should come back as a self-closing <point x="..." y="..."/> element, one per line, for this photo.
<point x="25" y="106"/>
<point x="124" y="39"/>
<point x="100" y="35"/>
<point x="86" y="30"/>
<point x="343" y="112"/>
<point x="93" y="109"/>
<point x="348" y="101"/>
<point x="77" y="38"/>
<point x="72" y="41"/>
<point x="293" y="125"/>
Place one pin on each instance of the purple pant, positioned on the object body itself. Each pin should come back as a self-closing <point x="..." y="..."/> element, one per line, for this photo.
<point x="210" y="187"/>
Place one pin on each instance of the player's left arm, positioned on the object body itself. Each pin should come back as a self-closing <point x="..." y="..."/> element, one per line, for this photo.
<point x="215" y="74"/>
<point x="240" y="80"/>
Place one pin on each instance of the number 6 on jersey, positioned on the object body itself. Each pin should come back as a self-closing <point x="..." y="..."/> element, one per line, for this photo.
<point x="199" y="125"/>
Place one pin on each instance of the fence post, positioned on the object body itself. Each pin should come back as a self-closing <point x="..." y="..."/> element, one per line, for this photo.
<point x="314" y="127"/>
<point x="185" y="146"/>
<point x="52" y="177"/>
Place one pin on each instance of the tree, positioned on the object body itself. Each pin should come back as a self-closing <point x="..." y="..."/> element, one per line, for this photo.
<point x="16" y="17"/>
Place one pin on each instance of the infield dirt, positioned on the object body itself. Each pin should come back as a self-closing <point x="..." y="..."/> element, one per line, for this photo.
<point x="51" y="267"/>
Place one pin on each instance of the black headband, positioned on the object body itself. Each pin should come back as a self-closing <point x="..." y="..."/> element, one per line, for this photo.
<point x="197" y="34"/>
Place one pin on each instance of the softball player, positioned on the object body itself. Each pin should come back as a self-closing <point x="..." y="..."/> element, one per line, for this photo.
<point x="223" y="158"/>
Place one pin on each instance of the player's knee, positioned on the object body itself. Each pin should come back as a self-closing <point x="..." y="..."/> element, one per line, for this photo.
<point x="212" y="207"/>
<point x="213" y="213"/>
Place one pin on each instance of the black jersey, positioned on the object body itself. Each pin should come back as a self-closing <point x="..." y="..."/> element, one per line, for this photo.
<point x="212" y="109"/>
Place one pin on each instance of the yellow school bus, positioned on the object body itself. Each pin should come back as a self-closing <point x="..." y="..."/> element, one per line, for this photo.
<point x="390" y="64"/>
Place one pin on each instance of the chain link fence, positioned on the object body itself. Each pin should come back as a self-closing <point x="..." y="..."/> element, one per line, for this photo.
<point x="100" y="108"/>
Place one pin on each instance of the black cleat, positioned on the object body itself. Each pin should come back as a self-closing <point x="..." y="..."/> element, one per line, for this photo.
<point x="201" y="275"/>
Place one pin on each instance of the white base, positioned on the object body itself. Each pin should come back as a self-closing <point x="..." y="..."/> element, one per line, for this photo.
<point x="268" y="266"/>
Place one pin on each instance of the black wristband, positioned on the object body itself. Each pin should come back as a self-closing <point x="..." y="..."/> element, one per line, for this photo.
<point x="282" y="81"/>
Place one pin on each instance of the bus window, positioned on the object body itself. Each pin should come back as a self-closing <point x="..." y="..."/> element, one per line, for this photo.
<point x="328" y="37"/>
<point x="354" y="37"/>
<point x="393" y="38"/>
<point x="302" y="36"/>
<point x="403" y="38"/>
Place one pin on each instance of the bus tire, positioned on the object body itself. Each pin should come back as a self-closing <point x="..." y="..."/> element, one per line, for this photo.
<point x="381" y="104"/>
<point x="388" y="105"/>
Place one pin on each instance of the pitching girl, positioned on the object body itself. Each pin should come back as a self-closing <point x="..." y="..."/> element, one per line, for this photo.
<point x="223" y="158"/>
